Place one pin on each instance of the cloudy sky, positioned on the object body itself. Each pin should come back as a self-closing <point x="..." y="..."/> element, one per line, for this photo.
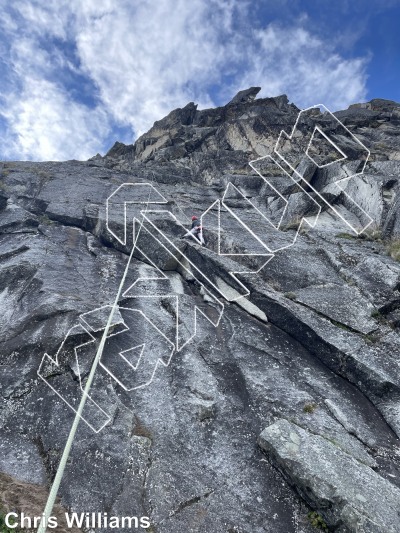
<point x="77" y="75"/>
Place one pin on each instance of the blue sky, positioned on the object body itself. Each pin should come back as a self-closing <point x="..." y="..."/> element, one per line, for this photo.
<point x="78" y="75"/>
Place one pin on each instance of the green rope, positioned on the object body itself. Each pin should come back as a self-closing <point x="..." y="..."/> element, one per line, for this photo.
<point x="61" y="467"/>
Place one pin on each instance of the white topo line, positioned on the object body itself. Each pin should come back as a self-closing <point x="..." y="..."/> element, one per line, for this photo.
<point x="162" y="200"/>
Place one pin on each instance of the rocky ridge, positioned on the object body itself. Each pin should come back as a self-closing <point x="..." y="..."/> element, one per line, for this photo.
<point x="248" y="427"/>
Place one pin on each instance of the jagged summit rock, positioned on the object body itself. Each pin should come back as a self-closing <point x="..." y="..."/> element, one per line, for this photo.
<point x="117" y="149"/>
<point x="377" y="104"/>
<point x="307" y="365"/>
<point x="246" y="124"/>
<point x="247" y="95"/>
<point x="242" y="124"/>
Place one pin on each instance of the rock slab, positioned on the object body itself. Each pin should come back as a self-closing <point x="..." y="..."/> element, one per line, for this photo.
<point x="347" y="493"/>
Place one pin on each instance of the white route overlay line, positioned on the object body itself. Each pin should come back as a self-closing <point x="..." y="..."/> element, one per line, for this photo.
<point x="86" y="326"/>
<point x="55" y="361"/>
<point x="269" y="249"/>
<point x="163" y="277"/>
<point x="136" y="186"/>
<point x="278" y="225"/>
<point x="67" y="449"/>
<point x="185" y="258"/>
<point x="317" y="128"/>
<point x="270" y="253"/>
<point x="158" y="362"/>
<point x="64" y="458"/>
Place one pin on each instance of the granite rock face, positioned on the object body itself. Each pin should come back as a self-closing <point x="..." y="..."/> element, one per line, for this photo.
<point x="332" y="480"/>
<point x="247" y="426"/>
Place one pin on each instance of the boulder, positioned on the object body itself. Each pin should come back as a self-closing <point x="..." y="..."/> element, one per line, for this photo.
<point x="347" y="493"/>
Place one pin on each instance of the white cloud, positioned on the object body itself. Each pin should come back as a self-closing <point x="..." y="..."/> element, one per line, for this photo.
<point x="146" y="58"/>
<point x="45" y="125"/>
<point x="154" y="56"/>
<point x="292" y="61"/>
<point x="44" y="17"/>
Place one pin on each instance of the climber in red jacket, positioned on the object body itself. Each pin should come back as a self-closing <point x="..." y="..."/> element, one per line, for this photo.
<point x="196" y="231"/>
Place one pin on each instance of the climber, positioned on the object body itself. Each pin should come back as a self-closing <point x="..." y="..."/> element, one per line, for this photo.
<point x="196" y="231"/>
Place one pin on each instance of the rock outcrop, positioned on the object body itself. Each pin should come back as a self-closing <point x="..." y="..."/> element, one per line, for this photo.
<point x="307" y="365"/>
<point x="331" y="480"/>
